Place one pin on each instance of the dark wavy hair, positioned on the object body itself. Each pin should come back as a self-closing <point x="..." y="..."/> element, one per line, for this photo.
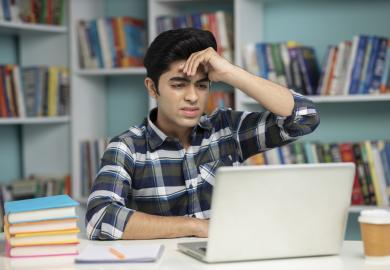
<point x="174" y="45"/>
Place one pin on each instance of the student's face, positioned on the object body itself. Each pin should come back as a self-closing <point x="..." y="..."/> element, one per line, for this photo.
<point x="182" y="100"/>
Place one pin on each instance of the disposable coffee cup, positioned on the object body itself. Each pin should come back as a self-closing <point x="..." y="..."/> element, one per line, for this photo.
<point x="375" y="231"/>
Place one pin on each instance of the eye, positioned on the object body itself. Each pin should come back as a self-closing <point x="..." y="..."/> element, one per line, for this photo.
<point x="178" y="85"/>
<point x="203" y="86"/>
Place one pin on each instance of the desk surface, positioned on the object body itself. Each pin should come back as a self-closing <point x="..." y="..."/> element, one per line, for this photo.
<point x="351" y="258"/>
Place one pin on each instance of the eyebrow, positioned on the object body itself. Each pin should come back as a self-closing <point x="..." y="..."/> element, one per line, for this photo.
<point x="185" y="79"/>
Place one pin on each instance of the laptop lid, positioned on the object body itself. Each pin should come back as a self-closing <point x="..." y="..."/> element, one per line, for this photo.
<point x="279" y="211"/>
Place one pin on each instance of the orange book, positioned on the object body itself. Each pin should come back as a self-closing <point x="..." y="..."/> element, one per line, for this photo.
<point x="3" y="101"/>
<point x="124" y="61"/>
<point x="41" y="226"/>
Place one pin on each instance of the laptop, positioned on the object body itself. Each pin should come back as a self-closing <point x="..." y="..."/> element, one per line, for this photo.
<point x="276" y="211"/>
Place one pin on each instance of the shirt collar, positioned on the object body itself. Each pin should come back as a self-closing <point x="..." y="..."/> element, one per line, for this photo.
<point x="157" y="137"/>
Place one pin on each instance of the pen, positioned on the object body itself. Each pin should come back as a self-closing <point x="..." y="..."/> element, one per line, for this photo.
<point x="117" y="253"/>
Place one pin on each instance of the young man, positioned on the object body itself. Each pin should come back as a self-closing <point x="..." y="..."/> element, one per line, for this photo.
<point x="156" y="179"/>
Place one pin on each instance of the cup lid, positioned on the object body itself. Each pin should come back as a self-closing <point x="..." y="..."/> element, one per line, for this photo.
<point x="375" y="216"/>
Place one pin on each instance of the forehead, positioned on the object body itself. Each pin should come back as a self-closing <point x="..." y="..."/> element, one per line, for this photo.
<point x="177" y="68"/>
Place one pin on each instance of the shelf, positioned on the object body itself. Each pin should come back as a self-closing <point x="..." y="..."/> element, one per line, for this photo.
<point x="20" y="27"/>
<point x="338" y="99"/>
<point x="358" y="208"/>
<point x="34" y="120"/>
<point x="112" y="72"/>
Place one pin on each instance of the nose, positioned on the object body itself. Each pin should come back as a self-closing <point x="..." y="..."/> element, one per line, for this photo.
<point x="191" y="95"/>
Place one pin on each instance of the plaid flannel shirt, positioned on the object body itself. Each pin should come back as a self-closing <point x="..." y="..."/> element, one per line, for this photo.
<point x="144" y="170"/>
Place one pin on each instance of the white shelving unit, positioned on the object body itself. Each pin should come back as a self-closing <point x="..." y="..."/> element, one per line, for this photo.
<point x="22" y="28"/>
<point x="44" y="141"/>
<point x="89" y="86"/>
<point x="34" y="120"/>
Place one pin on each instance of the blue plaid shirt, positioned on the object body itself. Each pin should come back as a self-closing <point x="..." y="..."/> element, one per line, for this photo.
<point x="144" y="170"/>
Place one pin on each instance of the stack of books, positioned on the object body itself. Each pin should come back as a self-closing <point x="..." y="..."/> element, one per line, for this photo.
<point x="45" y="226"/>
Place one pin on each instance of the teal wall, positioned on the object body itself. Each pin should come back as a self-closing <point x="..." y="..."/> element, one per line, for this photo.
<point x="10" y="158"/>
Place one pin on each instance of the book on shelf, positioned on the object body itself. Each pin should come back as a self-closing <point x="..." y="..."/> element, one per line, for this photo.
<point x="114" y="42"/>
<point x="372" y="159"/>
<point x="39" y="186"/>
<point x="31" y="11"/>
<point x="360" y="66"/>
<point x="289" y="64"/>
<point x="219" y="99"/>
<point x="91" y="152"/>
<point x="220" y="23"/>
<point x="34" y="91"/>
<point x="43" y="226"/>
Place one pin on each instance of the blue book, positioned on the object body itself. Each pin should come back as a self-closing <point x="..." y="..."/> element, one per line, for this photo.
<point x="358" y="65"/>
<point x="371" y="65"/>
<point x="378" y="67"/>
<point x="57" y="201"/>
<point x="95" y="43"/>
<point x="261" y="59"/>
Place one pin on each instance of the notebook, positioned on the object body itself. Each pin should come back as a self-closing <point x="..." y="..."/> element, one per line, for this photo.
<point x="118" y="253"/>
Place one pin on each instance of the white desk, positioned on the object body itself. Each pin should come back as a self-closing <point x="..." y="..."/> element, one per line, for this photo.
<point x="350" y="259"/>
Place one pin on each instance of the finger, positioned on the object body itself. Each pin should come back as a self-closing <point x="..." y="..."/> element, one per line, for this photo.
<point x="191" y="63"/>
<point x="188" y="63"/>
<point x="196" y="61"/>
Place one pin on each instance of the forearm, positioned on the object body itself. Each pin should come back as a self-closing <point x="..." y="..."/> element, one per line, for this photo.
<point x="270" y="95"/>
<point x="145" y="226"/>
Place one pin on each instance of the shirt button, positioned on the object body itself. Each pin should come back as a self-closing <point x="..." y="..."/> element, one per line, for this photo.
<point x="193" y="215"/>
<point x="191" y="186"/>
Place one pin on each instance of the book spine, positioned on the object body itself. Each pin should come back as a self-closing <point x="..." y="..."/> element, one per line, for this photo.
<point x="385" y="86"/>
<point x="350" y="65"/>
<point x="366" y="60"/>
<point x="379" y="66"/>
<point x="357" y="66"/>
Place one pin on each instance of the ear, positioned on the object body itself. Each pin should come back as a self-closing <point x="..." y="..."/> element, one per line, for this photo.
<point x="150" y="86"/>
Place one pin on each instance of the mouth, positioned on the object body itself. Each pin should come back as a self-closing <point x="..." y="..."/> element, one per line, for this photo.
<point x="190" y="112"/>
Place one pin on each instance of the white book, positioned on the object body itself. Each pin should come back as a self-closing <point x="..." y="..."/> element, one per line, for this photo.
<point x="52" y="213"/>
<point x="18" y="91"/>
<point x="104" y="43"/>
<point x="344" y="50"/>
<point x="286" y="63"/>
<point x="225" y="43"/>
<point x="84" y="52"/>
<point x="351" y="62"/>
<point x="250" y="60"/>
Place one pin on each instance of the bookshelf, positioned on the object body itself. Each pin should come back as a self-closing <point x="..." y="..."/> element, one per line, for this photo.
<point x="98" y="94"/>
<point x="34" y="144"/>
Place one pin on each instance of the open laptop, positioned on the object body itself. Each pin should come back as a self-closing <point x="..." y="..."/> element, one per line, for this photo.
<point x="276" y="211"/>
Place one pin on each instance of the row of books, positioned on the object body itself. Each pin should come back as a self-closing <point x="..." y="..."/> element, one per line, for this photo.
<point x="34" y="91"/>
<point x="220" y="23"/>
<point x="37" y="186"/>
<point x="288" y="64"/>
<point x="360" y="66"/>
<point x="33" y="11"/>
<point x="111" y="42"/>
<point x="372" y="159"/>
<point x="91" y="151"/>
<point x="38" y="227"/>
<point x="219" y="99"/>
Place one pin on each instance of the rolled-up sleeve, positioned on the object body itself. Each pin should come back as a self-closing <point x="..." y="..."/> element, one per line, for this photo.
<point x="107" y="214"/>
<point x="256" y="132"/>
